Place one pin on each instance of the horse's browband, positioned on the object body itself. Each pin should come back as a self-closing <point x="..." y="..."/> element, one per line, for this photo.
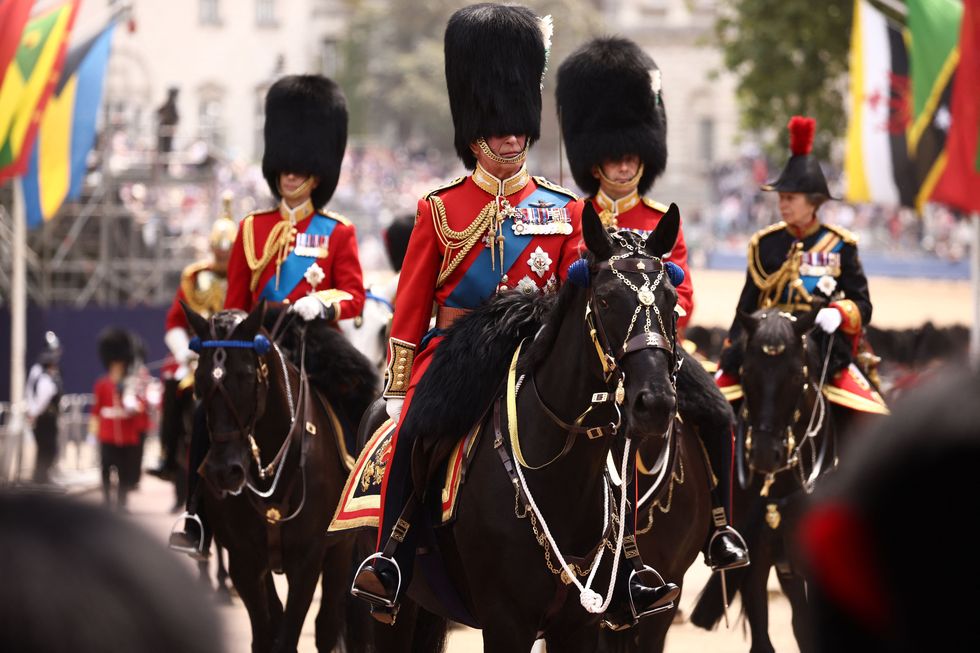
<point x="632" y="265"/>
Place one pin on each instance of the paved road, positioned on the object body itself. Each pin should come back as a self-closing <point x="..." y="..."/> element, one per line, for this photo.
<point x="150" y="507"/>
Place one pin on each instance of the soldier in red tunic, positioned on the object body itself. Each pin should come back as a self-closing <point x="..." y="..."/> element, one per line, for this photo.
<point x="496" y="230"/>
<point x="202" y="287"/>
<point x="295" y="254"/>
<point x="615" y="130"/>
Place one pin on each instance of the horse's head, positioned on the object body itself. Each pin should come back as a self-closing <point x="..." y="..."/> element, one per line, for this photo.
<point x="774" y="381"/>
<point x="632" y="320"/>
<point x="232" y="380"/>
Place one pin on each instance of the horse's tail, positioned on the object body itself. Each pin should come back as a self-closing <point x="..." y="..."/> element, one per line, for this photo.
<point x="709" y="608"/>
<point x="430" y="633"/>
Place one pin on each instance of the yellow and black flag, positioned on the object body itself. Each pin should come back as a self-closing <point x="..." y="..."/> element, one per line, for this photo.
<point x="934" y="29"/>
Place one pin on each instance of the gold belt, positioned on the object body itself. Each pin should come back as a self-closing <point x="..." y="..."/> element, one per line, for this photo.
<point x="446" y="315"/>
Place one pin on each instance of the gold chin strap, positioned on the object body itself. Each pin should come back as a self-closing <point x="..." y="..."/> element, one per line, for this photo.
<point x="620" y="186"/>
<point x="304" y="188"/>
<point x="493" y="156"/>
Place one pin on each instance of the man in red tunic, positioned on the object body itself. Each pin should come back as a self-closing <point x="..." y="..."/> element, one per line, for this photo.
<point x="203" y="285"/>
<point x="118" y="416"/>
<point x="295" y="254"/>
<point x="615" y="131"/>
<point x="496" y="230"/>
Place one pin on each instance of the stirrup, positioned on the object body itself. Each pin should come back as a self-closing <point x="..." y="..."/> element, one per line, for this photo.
<point x="656" y="610"/>
<point x="728" y="529"/>
<point x="375" y="600"/>
<point x="196" y="552"/>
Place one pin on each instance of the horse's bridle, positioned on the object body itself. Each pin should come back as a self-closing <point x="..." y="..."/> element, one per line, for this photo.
<point x="631" y="262"/>
<point x="793" y="447"/>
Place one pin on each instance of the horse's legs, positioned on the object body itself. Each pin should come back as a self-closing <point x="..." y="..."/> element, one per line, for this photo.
<point x="572" y="640"/>
<point x="275" y="604"/>
<point x="795" y="590"/>
<point x="303" y="577"/>
<point x="507" y="634"/>
<point x="224" y="592"/>
<point x="334" y="585"/>
<point x="756" y="600"/>
<point x="252" y="588"/>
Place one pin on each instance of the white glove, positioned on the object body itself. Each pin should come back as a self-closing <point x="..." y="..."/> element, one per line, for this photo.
<point x="393" y="407"/>
<point x="308" y="308"/>
<point x="828" y="319"/>
<point x="179" y="345"/>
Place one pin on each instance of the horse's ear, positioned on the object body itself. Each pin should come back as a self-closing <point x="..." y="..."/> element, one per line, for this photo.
<point x="594" y="234"/>
<point x="250" y="326"/>
<point x="662" y="240"/>
<point x="748" y="321"/>
<point x="197" y="323"/>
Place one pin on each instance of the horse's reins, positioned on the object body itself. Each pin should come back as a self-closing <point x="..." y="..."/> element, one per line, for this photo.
<point x="589" y="598"/>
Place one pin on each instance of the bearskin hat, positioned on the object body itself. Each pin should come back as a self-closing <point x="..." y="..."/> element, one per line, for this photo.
<point x="305" y="132"/>
<point x="396" y="239"/>
<point x="609" y="108"/>
<point x="495" y="59"/>
<point x="802" y="173"/>
<point x="115" y="344"/>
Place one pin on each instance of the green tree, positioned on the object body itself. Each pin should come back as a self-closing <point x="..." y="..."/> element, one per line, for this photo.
<point x="790" y="57"/>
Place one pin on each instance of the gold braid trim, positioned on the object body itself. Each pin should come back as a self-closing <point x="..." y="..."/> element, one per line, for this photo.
<point x="772" y="286"/>
<point x="458" y="244"/>
<point x="277" y="245"/>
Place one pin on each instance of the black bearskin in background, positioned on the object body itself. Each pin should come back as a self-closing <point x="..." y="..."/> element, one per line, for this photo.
<point x="466" y="372"/>
<point x="396" y="240"/>
<point x="347" y="379"/>
<point x="495" y="58"/>
<point x="608" y="110"/>
<point x="305" y="132"/>
<point x="115" y="344"/>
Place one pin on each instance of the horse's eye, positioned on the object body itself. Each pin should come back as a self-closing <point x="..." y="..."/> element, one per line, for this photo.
<point x="603" y="303"/>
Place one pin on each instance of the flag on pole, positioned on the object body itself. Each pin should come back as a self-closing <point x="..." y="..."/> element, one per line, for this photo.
<point x="57" y="163"/>
<point x="877" y="166"/>
<point x="28" y="82"/>
<point x="13" y="17"/>
<point x="959" y="185"/>
<point x="934" y="26"/>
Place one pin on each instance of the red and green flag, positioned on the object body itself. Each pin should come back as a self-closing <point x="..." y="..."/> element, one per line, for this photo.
<point x="934" y="29"/>
<point x="959" y="183"/>
<point x="13" y="17"/>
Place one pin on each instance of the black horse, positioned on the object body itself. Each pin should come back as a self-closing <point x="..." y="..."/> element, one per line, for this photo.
<point x="674" y="507"/>
<point x="273" y="475"/>
<point x="786" y="441"/>
<point x="607" y="345"/>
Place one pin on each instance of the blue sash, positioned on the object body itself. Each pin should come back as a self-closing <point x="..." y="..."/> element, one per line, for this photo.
<point x="480" y="281"/>
<point x="294" y="267"/>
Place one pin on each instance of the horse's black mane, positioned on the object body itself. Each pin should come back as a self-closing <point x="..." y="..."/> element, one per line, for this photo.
<point x="541" y="346"/>
<point x="334" y="366"/>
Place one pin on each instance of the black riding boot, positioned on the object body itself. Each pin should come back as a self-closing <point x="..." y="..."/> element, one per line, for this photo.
<point x="382" y="576"/>
<point x="190" y="531"/>
<point x="640" y="591"/>
<point x="726" y="548"/>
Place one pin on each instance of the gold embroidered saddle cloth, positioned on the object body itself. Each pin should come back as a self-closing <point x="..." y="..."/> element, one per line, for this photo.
<point x="360" y="503"/>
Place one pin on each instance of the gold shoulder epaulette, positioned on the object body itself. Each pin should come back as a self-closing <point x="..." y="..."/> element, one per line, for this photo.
<point x="655" y="205"/>
<point x="194" y="268"/>
<point x="339" y="218"/>
<point x="765" y="231"/>
<point x="555" y="187"/>
<point x="847" y="236"/>
<point x="450" y="184"/>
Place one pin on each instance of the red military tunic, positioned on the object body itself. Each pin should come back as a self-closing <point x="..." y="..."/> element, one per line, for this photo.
<point x="642" y="215"/>
<point x="448" y="263"/>
<point x="282" y="255"/>
<point x="118" y="425"/>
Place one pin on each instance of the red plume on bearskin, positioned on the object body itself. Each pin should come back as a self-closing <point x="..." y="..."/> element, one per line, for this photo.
<point x="801" y="130"/>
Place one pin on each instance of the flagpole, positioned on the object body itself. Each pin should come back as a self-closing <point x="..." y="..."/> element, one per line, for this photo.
<point x="975" y="286"/>
<point x="18" y="327"/>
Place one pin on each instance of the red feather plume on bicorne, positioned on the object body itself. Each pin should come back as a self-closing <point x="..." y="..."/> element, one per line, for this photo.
<point x="801" y="130"/>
